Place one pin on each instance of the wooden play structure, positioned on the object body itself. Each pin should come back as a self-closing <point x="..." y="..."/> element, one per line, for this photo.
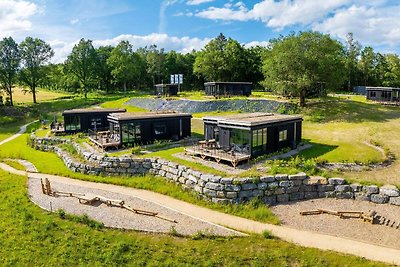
<point x="90" y="199"/>
<point x="371" y="217"/>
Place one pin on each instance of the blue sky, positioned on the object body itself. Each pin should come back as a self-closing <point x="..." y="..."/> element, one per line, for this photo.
<point x="184" y="25"/>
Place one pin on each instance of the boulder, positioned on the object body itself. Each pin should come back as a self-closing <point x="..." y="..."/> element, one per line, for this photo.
<point x="336" y="181"/>
<point x="389" y="190"/>
<point x="379" y="198"/>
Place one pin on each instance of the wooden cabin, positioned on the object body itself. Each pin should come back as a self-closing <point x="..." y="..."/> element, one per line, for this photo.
<point x="384" y="94"/>
<point x="253" y="134"/>
<point x="145" y="128"/>
<point x="82" y="120"/>
<point x="166" y="89"/>
<point x="228" y="88"/>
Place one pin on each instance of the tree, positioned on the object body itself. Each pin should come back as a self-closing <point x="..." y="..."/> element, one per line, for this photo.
<point x="297" y="64"/>
<point x="367" y="65"/>
<point x="104" y="75"/>
<point x="210" y="62"/>
<point x="82" y="63"/>
<point x="34" y="54"/>
<point x="155" y="63"/>
<point x="123" y="62"/>
<point x="353" y="49"/>
<point x="9" y="65"/>
<point x="392" y="76"/>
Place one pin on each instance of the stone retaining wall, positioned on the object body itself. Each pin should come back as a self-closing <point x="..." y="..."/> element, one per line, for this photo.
<point x="271" y="189"/>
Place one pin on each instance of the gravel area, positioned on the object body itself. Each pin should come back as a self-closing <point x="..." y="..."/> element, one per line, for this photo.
<point x="117" y="217"/>
<point x="289" y="215"/>
<point x="195" y="106"/>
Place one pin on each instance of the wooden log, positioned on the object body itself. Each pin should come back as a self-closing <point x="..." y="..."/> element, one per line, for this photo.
<point x="329" y="212"/>
<point x="311" y="212"/>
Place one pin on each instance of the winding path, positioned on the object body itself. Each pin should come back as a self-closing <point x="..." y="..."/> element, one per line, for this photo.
<point x="300" y="237"/>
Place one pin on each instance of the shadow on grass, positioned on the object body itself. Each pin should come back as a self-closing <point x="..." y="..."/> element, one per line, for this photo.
<point x="350" y="111"/>
<point x="316" y="150"/>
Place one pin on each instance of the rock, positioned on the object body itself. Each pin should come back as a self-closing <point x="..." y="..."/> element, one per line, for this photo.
<point x="267" y="179"/>
<point x="342" y="188"/>
<point x="282" y="198"/>
<point x="220" y="200"/>
<point x="198" y="189"/>
<point x="325" y="188"/>
<point x="310" y="195"/>
<point x="315" y="180"/>
<point x="379" y="199"/>
<point x="292" y="189"/>
<point x="389" y="190"/>
<point x="245" y="194"/>
<point x="214" y="186"/>
<point x="258" y="193"/>
<point x="281" y="177"/>
<point x="209" y="192"/>
<point x="269" y="200"/>
<point x="299" y="176"/>
<point x="279" y="191"/>
<point x="362" y="196"/>
<point x="232" y="187"/>
<point x="336" y="181"/>
<point x="226" y="180"/>
<point x="371" y="189"/>
<point x="249" y="186"/>
<point x="231" y="195"/>
<point x="296" y="196"/>
<point x="344" y="195"/>
<point x="356" y="187"/>
<point x="394" y="201"/>
<point x="284" y="184"/>
<point x="262" y="186"/>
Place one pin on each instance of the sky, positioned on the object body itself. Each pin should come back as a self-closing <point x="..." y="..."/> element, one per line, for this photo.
<point x="184" y="25"/>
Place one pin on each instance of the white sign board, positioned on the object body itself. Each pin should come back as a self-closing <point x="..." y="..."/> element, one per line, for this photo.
<point x="176" y="78"/>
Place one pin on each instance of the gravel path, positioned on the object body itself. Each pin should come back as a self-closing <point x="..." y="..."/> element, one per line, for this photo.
<point x="117" y="217"/>
<point x="350" y="228"/>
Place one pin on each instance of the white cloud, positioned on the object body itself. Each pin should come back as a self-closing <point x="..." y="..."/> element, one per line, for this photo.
<point x="180" y="44"/>
<point x="14" y="16"/>
<point x="370" y="25"/>
<point x="257" y="43"/>
<point x="275" y="14"/>
<point x="198" y="2"/>
<point x="74" y="21"/>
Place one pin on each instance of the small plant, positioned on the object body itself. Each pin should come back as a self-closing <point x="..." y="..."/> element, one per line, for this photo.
<point x="267" y="234"/>
<point x="137" y="150"/>
<point x="61" y="213"/>
<point x="174" y="232"/>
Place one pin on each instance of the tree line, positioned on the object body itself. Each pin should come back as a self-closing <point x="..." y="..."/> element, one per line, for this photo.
<point x="300" y="65"/>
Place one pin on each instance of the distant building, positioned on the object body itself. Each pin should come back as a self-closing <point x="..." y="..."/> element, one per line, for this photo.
<point x="145" y="128"/>
<point x="253" y="134"/>
<point x="228" y="88"/>
<point x="385" y="94"/>
<point x="166" y="89"/>
<point x="82" y="120"/>
<point x="361" y="90"/>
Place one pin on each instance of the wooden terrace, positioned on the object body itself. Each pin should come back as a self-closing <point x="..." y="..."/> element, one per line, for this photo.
<point x="103" y="140"/>
<point x="209" y="149"/>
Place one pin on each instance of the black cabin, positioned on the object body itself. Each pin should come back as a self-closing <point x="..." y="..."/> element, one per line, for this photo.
<point x="385" y="94"/>
<point x="228" y="88"/>
<point x="145" y="128"/>
<point x="166" y="89"/>
<point x="82" y="120"/>
<point x="254" y="134"/>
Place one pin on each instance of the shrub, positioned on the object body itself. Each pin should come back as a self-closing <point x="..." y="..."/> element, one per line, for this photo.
<point x="267" y="234"/>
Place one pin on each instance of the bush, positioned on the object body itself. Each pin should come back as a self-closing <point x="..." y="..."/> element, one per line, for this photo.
<point x="267" y="234"/>
<point x="294" y="165"/>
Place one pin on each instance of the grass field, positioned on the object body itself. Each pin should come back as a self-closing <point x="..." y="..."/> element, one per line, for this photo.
<point x="33" y="237"/>
<point x="20" y="95"/>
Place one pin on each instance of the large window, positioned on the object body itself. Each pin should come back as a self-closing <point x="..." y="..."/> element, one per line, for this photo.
<point x="72" y="123"/>
<point x="259" y="142"/>
<point x="131" y="133"/>
<point x="160" y="129"/>
<point x="239" y="140"/>
<point x="95" y="123"/>
<point x="282" y="135"/>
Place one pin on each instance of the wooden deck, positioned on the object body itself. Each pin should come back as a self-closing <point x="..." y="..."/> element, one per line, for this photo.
<point x="218" y="154"/>
<point x="104" y="143"/>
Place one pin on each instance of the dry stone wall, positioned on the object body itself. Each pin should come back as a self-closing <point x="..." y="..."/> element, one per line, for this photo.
<point x="272" y="189"/>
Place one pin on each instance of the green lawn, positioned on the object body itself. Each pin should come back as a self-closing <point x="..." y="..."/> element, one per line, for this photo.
<point x="33" y="237"/>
